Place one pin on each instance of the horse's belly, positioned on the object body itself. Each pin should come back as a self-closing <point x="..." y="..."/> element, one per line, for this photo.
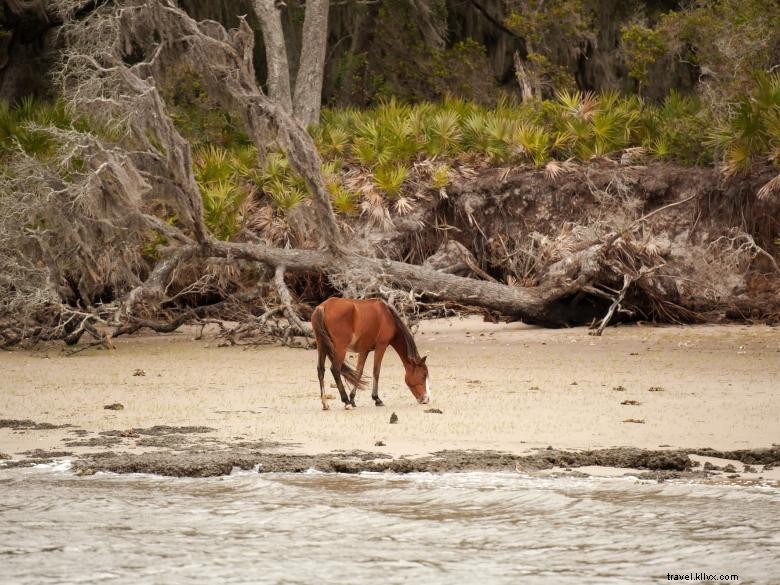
<point x="357" y="345"/>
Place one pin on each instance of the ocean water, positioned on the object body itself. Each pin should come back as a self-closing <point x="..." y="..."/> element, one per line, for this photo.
<point x="56" y="527"/>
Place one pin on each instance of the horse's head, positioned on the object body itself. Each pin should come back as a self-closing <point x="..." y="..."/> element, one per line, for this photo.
<point x="417" y="379"/>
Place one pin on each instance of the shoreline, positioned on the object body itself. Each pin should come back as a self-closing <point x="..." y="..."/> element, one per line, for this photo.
<point x="204" y="459"/>
<point x="506" y="395"/>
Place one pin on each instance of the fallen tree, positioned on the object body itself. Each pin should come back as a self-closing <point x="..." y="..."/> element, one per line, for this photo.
<point x="72" y="227"/>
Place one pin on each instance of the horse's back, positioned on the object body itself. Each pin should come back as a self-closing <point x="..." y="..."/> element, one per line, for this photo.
<point x="359" y="324"/>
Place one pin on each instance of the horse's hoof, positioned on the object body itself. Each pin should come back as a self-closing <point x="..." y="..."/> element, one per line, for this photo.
<point x="347" y="407"/>
<point x="325" y="407"/>
<point x="378" y="402"/>
<point x="353" y="404"/>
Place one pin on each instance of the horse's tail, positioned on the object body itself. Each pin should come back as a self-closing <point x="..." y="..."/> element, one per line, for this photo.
<point x="323" y="337"/>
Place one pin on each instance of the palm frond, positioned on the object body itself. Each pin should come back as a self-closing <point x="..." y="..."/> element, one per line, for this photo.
<point x="284" y="196"/>
<point x="389" y="179"/>
<point x="770" y="189"/>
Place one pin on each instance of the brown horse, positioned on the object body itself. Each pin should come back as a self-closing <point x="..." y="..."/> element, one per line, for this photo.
<point x="364" y="326"/>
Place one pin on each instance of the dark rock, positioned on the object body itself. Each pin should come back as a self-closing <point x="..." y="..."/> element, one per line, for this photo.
<point x="157" y="431"/>
<point x="28" y="424"/>
<point x="94" y="442"/>
<point x="170" y="441"/>
<point x="614" y="457"/>
<point x="43" y="454"/>
<point x="750" y="456"/>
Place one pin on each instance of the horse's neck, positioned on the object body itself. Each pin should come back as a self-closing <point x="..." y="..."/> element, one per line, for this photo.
<point x="399" y="345"/>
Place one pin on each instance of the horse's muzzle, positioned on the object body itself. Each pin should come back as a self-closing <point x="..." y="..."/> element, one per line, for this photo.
<point x="425" y="399"/>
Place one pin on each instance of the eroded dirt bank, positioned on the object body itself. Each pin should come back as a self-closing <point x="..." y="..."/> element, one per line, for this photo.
<point x="509" y="397"/>
<point x="712" y="242"/>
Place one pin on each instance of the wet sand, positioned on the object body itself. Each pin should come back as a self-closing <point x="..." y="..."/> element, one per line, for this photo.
<point x="507" y="388"/>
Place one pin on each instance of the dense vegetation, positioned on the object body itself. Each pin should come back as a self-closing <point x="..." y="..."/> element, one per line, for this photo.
<point x="377" y="152"/>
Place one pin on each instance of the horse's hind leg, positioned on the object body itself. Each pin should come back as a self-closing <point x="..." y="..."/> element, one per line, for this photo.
<point x="361" y="363"/>
<point x="321" y="376"/>
<point x="335" y="369"/>
<point x="379" y="353"/>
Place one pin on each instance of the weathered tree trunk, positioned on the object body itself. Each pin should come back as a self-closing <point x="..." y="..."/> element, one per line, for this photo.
<point x="276" y="53"/>
<point x="308" y="83"/>
<point x="523" y="79"/>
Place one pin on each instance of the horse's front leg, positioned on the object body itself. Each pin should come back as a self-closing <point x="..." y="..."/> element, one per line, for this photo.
<point x="379" y="353"/>
<point x="361" y="363"/>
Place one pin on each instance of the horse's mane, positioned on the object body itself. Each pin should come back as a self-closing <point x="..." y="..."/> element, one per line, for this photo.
<point x="411" y="346"/>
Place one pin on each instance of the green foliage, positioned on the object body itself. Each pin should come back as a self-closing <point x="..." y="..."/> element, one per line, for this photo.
<point x="222" y="203"/>
<point x="221" y="175"/>
<point x="678" y="130"/>
<point x="23" y="126"/>
<point x="343" y="200"/>
<point x="390" y="178"/>
<point x="286" y="189"/>
<point x="442" y="133"/>
<point x="197" y="116"/>
<point x="553" y="31"/>
<point x="213" y="165"/>
<point x="151" y="250"/>
<point x="642" y="47"/>
<point x="575" y="124"/>
<point x="533" y="142"/>
<point x="409" y="58"/>
<point x="285" y="197"/>
<point x="752" y="127"/>
<point x="729" y="41"/>
<point x="475" y="135"/>
<point x="440" y="177"/>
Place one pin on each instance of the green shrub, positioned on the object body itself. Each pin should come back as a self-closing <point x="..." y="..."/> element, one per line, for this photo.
<point x="390" y="178"/>
<point x="24" y="126"/>
<point x="222" y="203"/>
<point x="751" y="128"/>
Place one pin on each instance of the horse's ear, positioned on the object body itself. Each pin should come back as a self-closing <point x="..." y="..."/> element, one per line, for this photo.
<point x="422" y="361"/>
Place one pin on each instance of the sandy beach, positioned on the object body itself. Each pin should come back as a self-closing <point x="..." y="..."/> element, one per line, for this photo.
<point x="506" y="387"/>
